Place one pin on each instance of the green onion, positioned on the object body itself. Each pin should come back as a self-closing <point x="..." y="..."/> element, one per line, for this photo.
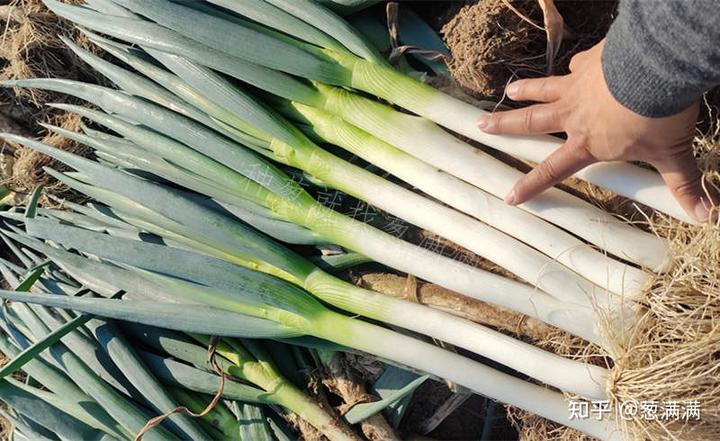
<point x="291" y="307"/>
<point x="354" y="235"/>
<point x="428" y="142"/>
<point x="253" y="367"/>
<point x="351" y="298"/>
<point x="464" y="161"/>
<point x="421" y="138"/>
<point x="346" y="7"/>
<point x="253" y="424"/>
<point x="400" y="313"/>
<point x="113" y="342"/>
<point x="186" y="125"/>
<point x="369" y="75"/>
<point x="43" y="414"/>
<point x="128" y="415"/>
<point x="604" y="271"/>
<point x="62" y="392"/>
<point x="220" y="421"/>
<point x="129" y="362"/>
<point x="302" y="153"/>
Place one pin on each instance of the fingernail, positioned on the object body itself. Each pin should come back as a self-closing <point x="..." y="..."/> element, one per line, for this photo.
<point x="512" y="90"/>
<point x="702" y="210"/>
<point x="511" y="198"/>
<point x="484" y="121"/>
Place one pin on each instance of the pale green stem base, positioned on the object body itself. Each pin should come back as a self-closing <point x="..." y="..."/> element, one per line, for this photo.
<point x="451" y="274"/>
<point x="568" y="375"/>
<point x="566" y="249"/>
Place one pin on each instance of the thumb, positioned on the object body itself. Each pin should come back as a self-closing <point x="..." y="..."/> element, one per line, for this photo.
<point x="684" y="179"/>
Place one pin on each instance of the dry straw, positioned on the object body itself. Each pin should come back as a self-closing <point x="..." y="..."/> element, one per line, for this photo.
<point x="30" y="47"/>
<point x="673" y="353"/>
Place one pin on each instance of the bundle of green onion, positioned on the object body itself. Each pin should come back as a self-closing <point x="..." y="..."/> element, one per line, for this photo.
<point x="182" y="290"/>
<point x="99" y="379"/>
<point x="224" y="93"/>
<point x="303" y="38"/>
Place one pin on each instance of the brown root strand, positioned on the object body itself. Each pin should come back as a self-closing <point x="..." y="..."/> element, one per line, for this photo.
<point x="307" y="431"/>
<point x="345" y="381"/>
<point x="156" y="421"/>
<point x="499" y="318"/>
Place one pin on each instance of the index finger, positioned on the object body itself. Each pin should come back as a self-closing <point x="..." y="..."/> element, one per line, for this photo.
<point x="562" y="163"/>
<point x="537" y="89"/>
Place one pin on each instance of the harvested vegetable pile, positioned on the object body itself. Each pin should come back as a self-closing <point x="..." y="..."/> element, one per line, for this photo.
<point x="208" y="260"/>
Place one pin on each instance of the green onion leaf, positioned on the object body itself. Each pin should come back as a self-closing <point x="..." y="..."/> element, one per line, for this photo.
<point x="362" y="411"/>
<point x="31" y="352"/>
<point x="198" y="318"/>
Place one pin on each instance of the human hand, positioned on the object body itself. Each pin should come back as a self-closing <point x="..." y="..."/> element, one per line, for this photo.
<point x="599" y="128"/>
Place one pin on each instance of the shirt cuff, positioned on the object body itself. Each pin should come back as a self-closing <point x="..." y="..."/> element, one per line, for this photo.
<point x="639" y="77"/>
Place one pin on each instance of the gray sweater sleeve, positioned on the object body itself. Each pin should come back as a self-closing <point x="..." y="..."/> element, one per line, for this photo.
<point x="661" y="55"/>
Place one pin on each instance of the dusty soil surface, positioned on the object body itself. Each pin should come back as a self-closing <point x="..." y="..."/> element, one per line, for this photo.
<point x="492" y="44"/>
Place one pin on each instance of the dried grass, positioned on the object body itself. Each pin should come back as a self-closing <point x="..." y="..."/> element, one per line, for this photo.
<point x="531" y="427"/>
<point x="673" y="353"/>
<point x="30" y="48"/>
<point x="434" y="296"/>
<point x="342" y="378"/>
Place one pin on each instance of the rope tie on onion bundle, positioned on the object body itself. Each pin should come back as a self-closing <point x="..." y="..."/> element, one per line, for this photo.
<point x="156" y="421"/>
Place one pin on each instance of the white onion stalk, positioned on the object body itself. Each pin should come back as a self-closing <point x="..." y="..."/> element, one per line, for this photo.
<point x="229" y="184"/>
<point x="476" y="377"/>
<point x="623" y="178"/>
<point x="367" y="72"/>
<point x="631" y="181"/>
<point x="227" y="104"/>
<point x="511" y="254"/>
<point x="597" y="267"/>
<point x="266" y="307"/>
<point x="428" y="142"/>
<point x="230" y="106"/>
<point x="568" y="375"/>
<point x="180" y="225"/>
<point x="374" y="340"/>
